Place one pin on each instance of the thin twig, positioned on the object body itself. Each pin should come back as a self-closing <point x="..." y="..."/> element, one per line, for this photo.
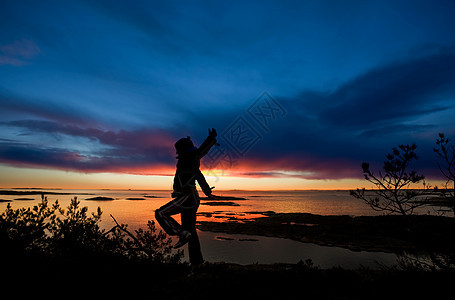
<point x="138" y="243"/>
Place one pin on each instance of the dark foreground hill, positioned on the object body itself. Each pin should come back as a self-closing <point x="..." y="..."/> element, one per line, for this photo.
<point x="113" y="279"/>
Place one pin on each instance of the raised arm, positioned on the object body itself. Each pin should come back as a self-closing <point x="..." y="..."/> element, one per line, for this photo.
<point x="207" y="144"/>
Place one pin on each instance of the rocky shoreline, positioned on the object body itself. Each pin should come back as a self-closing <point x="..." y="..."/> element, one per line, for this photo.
<point x="365" y="233"/>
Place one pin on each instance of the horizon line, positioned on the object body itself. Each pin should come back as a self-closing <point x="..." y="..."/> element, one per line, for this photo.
<point x="221" y="190"/>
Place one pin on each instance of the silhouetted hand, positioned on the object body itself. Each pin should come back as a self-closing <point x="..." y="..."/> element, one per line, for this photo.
<point x="212" y="133"/>
<point x="212" y="197"/>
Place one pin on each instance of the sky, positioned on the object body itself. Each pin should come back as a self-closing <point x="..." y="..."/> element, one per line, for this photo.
<point x="94" y="94"/>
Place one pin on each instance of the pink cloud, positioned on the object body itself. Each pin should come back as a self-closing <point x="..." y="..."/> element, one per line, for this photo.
<point x="18" y="52"/>
<point x="5" y="60"/>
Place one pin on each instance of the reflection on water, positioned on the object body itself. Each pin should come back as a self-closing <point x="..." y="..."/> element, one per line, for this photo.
<point x="136" y="213"/>
<point x="266" y="250"/>
<point x="142" y="203"/>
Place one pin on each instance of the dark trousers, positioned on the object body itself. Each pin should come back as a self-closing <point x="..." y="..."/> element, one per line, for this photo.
<point x="194" y="247"/>
<point x="186" y="206"/>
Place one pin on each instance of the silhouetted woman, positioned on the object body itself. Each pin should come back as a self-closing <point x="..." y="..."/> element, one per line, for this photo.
<point x="186" y="198"/>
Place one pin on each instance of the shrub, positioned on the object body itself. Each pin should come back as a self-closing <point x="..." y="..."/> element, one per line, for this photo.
<point x="74" y="234"/>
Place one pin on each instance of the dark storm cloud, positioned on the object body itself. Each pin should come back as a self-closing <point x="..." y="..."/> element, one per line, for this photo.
<point x="330" y="134"/>
<point x="14" y="105"/>
<point x="394" y="92"/>
<point x="29" y="155"/>
<point x="119" y="150"/>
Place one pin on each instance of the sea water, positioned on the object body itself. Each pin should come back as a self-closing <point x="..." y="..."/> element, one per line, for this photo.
<point x="136" y="207"/>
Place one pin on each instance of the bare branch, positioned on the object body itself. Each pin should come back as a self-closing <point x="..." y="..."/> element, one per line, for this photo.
<point x="137" y="242"/>
<point x="391" y="195"/>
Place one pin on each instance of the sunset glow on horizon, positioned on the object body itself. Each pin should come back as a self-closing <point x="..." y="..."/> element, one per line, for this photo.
<point x="55" y="179"/>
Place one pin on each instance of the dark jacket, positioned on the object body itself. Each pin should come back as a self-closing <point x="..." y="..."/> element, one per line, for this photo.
<point x="188" y="169"/>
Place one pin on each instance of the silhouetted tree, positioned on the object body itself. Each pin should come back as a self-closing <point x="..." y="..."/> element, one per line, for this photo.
<point x="394" y="193"/>
<point x="25" y="229"/>
<point x="446" y="151"/>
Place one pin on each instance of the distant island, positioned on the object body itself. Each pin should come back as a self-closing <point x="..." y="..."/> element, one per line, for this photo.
<point x="100" y="198"/>
<point x="37" y="192"/>
<point x="222" y="198"/>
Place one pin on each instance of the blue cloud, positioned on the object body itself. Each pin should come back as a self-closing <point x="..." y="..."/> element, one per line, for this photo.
<point x="355" y="78"/>
<point x="365" y="117"/>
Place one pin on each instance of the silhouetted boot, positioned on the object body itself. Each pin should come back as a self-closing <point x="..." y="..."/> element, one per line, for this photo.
<point x="184" y="238"/>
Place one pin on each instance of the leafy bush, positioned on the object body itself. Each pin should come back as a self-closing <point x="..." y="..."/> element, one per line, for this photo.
<point x="49" y="230"/>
